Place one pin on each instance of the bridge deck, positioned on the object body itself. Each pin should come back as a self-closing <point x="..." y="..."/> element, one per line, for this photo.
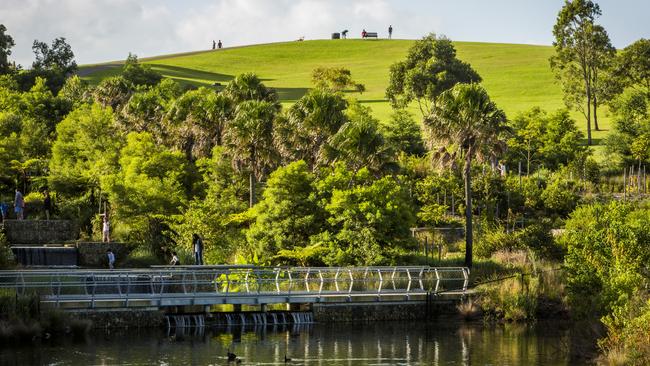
<point x="212" y="285"/>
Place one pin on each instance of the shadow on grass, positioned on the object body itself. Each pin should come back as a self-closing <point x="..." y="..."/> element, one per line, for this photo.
<point x="290" y="94"/>
<point x="183" y="73"/>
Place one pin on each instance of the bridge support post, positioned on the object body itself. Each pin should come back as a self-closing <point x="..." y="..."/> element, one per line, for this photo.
<point x="236" y="308"/>
<point x="263" y="308"/>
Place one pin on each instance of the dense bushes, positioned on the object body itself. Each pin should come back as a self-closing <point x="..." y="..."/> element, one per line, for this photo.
<point x="606" y="267"/>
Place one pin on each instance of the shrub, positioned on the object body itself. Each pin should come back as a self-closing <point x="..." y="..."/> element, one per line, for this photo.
<point x="7" y="259"/>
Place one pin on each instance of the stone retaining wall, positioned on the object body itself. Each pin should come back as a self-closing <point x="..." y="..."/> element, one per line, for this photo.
<point x="39" y="231"/>
<point x="353" y="312"/>
<point x="129" y="318"/>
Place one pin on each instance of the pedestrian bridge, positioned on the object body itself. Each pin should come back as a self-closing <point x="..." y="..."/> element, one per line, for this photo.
<point x="166" y="286"/>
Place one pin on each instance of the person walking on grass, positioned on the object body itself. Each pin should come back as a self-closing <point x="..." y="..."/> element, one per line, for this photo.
<point x="390" y="31"/>
<point x="19" y="205"/>
<point x="197" y="243"/>
<point x="106" y="229"/>
<point x="111" y="258"/>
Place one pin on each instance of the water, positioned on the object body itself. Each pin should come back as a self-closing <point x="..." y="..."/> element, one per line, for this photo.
<point x="388" y="343"/>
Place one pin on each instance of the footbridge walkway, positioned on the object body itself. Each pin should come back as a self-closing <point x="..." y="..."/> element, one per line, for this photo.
<point x="167" y="286"/>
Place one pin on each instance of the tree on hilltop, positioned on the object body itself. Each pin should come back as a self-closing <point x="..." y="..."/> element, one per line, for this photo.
<point x="583" y="55"/>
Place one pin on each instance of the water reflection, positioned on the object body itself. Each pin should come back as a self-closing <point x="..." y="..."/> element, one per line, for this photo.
<point x="389" y="343"/>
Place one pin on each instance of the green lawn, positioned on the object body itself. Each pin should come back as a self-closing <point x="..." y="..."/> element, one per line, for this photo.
<point x="517" y="76"/>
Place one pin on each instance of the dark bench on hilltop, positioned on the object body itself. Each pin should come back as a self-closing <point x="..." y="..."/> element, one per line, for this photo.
<point x="371" y="35"/>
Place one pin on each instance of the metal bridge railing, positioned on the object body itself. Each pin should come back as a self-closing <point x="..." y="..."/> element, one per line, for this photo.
<point x="225" y="284"/>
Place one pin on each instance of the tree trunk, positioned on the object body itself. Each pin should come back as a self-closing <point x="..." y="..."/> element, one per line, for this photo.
<point x="251" y="187"/>
<point x="595" y="113"/>
<point x="588" y="116"/>
<point x="468" y="210"/>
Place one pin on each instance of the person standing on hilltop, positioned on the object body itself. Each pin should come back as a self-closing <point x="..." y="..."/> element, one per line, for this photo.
<point x="390" y="31"/>
<point x="363" y="33"/>
<point x="220" y="45"/>
<point x="214" y="44"/>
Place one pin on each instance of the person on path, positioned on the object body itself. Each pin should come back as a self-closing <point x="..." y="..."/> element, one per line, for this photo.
<point x="175" y="261"/>
<point x="106" y="229"/>
<point x="197" y="243"/>
<point x="390" y="31"/>
<point x="345" y="34"/>
<point x="19" y="205"/>
<point x="220" y="45"/>
<point x="214" y="44"/>
<point x="363" y="33"/>
<point x="111" y="258"/>
<point x="47" y="204"/>
<point x="4" y="209"/>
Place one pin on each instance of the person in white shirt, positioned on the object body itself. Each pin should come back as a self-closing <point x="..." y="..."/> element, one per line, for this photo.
<point x="106" y="230"/>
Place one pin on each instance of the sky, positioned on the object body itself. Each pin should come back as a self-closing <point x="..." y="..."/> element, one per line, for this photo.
<point x="106" y="30"/>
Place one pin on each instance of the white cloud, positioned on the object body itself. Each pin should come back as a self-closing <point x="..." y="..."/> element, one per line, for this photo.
<point x="103" y="30"/>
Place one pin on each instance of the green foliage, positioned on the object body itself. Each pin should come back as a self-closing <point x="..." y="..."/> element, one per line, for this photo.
<point x="218" y="215"/>
<point x="6" y="255"/>
<point x="559" y="196"/>
<point x="607" y="253"/>
<point x="86" y="148"/>
<point x="583" y="56"/>
<point x="359" y="142"/>
<point x="248" y="87"/>
<point x="58" y="56"/>
<point x="435" y="193"/>
<point x="629" y="141"/>
<point x="309" y="125"/>
<point x="370" y="221"/>
<point x="113" y="92"/>
<point x="403" y="134"/>
<point x="535" y="238"/>
<point x="430" y="68"/>
<point x="149" y="181"/>
<point x="634" y="64"/>
<point x="198" y="121"/>
<point x="335" y="79"/>
<point x="6" y="43"/>
<point x="138" y="74"/>
<point x="288" y="215"/>
<point x="467" y="125"/>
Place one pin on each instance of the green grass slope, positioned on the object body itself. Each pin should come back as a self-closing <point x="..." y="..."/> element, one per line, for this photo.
<point x="517" y="76"/>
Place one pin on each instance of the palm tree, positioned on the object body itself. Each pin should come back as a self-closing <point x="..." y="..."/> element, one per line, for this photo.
<point x="248" y="86"/>
<point x="198" y="120"/>
<point x="249" y="139"/>
<point x="309" y="125"/>
<point x="468" y="125"/>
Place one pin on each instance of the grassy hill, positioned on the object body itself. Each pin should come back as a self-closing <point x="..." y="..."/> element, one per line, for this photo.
<point x="517" y="76"/>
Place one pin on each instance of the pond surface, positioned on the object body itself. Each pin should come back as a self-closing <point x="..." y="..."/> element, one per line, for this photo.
<point x="388" y="343"/>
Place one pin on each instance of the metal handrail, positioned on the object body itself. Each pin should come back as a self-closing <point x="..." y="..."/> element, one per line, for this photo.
<point x="158" y="283"/>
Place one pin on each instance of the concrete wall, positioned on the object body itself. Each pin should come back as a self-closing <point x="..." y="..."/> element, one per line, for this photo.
<point x="93" y="254"/>
<point x="39" y="231"/>
<point x="353" y="312"/>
